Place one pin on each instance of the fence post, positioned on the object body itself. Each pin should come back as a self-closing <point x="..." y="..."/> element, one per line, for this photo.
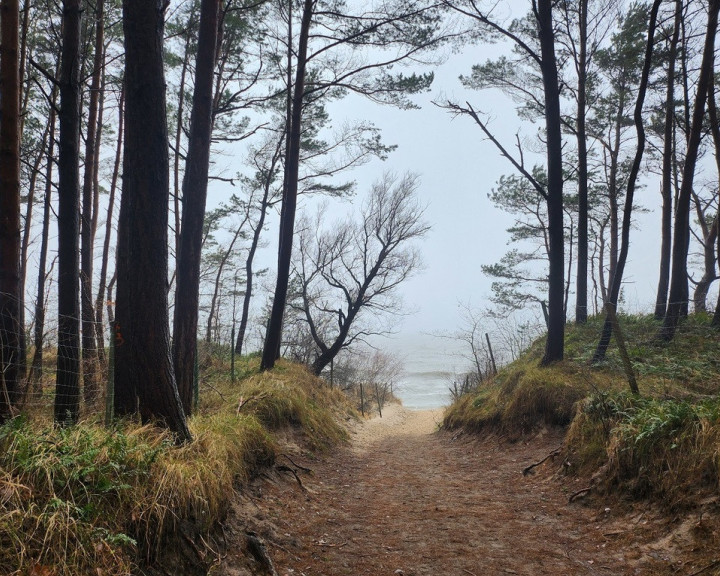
<point x="196" y="380"/>
<point x="492" y="356"/>
<point x="232" y="355"/>
<point x="620" y="341"/>
<point x="110" y="391"/>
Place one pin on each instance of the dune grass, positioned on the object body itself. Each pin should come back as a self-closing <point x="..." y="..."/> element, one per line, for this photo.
<point x="93" y="500"/>
<point x="663" y="444"/>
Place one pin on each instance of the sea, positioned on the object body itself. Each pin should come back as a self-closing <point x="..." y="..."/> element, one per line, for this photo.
<point x="430" y="363"/>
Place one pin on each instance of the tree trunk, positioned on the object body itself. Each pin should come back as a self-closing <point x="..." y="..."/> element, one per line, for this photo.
<point x="87" y="232"/>
<point x="715" y="131"/>
<point x="555" y="344"/>
<point x="11" y="298"/>
<point x="616" y="278"/>
<point x="709" y="238"/>
<point x="667" y="171"/>
<point x="264" y="205"/>
<point x="109" y="223"/>
<point x="678" y="283"/>
<point x="273" y="337"/>
<point x="187" y="278"/>
<point x="214" y="301"/>
<point x="143" y="363"/>
<point x="67" y="398"/>
<point x="37" y="361"/>
<point x="581" y="295"/>
<point x="27" y="226"/>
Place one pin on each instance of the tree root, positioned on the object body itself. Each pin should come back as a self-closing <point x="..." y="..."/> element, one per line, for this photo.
<point x="297" y="466"/>
<point x="528" y="469"/>
<point x="575" y="495"/>
<point x="283" y="468"/>
<point x="257" y="548"/>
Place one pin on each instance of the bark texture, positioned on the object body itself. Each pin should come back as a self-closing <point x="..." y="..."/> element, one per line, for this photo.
<point x="67" y="395"/>
<point x="193" y="206"/>
<point x="144" y="375"/>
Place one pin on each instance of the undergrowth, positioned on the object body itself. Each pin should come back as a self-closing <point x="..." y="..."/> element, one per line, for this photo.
<point x="93" y="500"/>
<point x="663" y="444"/>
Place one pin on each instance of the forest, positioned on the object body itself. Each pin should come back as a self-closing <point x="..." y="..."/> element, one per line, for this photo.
<point x="149" y="149"/>
<point x="105" y="222"/>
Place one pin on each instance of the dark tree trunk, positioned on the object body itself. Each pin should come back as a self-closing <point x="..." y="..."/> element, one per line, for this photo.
<point x="667" y="172"/>
<point x="678" y="283"/>
<point x="273" y="337"/>
<point x="187" y="280"/>
<point x="702" y="288"/>
<point x="264" y="205"/>
<point x="178" y="136"/>
<point x="616" y="278"/>
<point x="581" y="296"/>
<point x="27" y="225"/>
<point x="715" y="131"/>
<point x="109" y="222"/>
<point x="11" y="298"/>
<point x="555" y="344"/>
<point x="67" y="398"/>
<point x="613" y="191"/>
<point x="39" y="335"/>
<point x="87" y="232"/>
<point x="143" y="363"/>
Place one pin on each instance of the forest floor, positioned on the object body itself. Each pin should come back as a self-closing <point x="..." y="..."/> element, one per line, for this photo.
<point x="404" y="499"/>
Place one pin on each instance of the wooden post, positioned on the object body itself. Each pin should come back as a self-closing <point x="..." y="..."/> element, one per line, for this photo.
<point x="620" y="340"/>
<point x="492" y="356"/>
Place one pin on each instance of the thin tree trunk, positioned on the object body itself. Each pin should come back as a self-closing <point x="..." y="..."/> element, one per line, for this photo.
<point x="37" y="361"/>
<point x="715" y="131"/>
<point x="264" y="205"/>
<point x="678" y="283"/>
<point x="218" y="281"/>
<point x="109" y="223"/>
<point x="667" y="172"/>
<point x="67" y="396"/>
<point x="555" y="343"/>
<point x="87" y="232"/>
<point x="143" y="362"/>
<point x="27" y="226"/>
<point x="613" y="188"/>
<point x="616" y="278"/>
<point x="11" y="298"/>
<point x="581" y="295"/>
<point x="178" y="137"/>
<point x="273" y="337"/>
<point x="703" y="286"/>
<point x="98" y="326"/>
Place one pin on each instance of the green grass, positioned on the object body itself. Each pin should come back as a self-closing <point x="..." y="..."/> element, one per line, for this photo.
<point x="90" y="500"/>
<point x="662" y="444"/>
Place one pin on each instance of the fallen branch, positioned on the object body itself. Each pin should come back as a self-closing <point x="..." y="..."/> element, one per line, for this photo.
<point x="297" y="466"/>
<point x="579" y="493"/>
<point x="328" y="545"/>
<point x="283" y="468"/>
<point x="552" y="454"/>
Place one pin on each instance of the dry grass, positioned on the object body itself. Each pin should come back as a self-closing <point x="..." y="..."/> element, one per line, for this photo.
<point x="520" y="399"/>
<point x="662" y="445"/>
<point x="90" y="500"/>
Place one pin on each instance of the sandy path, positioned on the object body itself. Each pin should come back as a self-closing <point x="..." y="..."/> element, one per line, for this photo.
<point x="405" y="500"/>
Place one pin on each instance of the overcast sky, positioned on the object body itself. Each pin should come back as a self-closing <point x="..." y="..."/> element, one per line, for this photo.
<point x="458" y="168"/>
